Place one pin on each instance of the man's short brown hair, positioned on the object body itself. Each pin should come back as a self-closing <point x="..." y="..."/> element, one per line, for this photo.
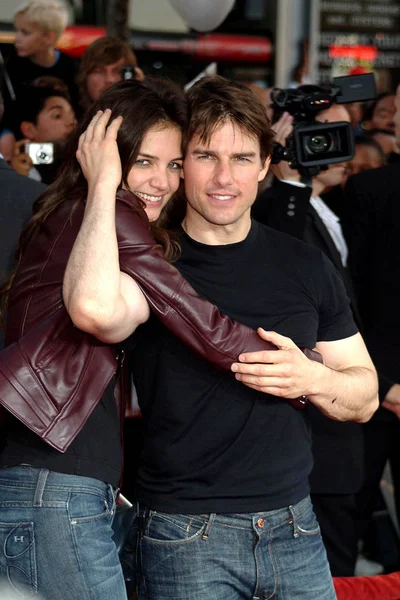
<point x="215" y="100"/>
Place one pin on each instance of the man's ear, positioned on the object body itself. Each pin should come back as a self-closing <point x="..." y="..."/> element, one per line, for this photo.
<point x="264" y="169"/>
<point x="28" y="130"/>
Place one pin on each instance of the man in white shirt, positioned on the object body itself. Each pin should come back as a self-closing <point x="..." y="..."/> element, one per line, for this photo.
<point x="299" y="210"/>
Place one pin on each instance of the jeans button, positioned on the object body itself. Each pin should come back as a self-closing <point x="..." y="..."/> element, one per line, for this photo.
<point x="260" y="523"/>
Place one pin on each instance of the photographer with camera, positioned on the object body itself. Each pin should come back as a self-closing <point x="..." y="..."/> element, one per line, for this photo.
<point x="298" y="209"/>
<point x="106" y="61"/>
<point x="46" y="118"/>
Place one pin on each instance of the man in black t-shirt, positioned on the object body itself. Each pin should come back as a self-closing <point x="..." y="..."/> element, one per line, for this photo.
<point x="222" y="482"/>
<point x="222" y="485"/>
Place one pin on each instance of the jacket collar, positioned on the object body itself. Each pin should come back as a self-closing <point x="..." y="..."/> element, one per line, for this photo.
<point x="4" y="164"/>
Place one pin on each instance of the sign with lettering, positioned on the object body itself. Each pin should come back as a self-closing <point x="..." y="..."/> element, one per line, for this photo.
<point x="358" y="36"/>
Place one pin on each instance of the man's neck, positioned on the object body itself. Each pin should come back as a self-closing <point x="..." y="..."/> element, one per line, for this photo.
<point x="44" y="58"/>
<point x="317" y="188"/>
<point x="211" y="234"/>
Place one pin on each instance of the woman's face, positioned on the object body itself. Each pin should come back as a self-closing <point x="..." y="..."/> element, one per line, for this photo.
<point x="156" y="173"/>
<point x="382" y="117"/>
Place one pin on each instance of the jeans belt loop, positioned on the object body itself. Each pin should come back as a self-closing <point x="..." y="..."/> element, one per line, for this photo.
<point x="41" y="484"/>
<point x="208" y="526"/>
<point x="114" y="496"/>
<point x="293" y="522"/>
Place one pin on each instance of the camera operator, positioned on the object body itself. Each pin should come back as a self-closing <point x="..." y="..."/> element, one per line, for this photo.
<point x="297" y="209"/>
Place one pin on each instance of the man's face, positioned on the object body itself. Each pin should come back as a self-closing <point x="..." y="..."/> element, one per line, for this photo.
<point x="383" y="115"/>
<point x="29" y="39"/>
<point x="366" y="157"/>
<point x="221" y="177"/>
<point x="102" y="78"/>
<point x="54" y="122"/>
<point x="335" y="173"/>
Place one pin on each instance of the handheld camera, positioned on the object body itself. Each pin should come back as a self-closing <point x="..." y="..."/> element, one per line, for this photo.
<point x="313" y="145"/>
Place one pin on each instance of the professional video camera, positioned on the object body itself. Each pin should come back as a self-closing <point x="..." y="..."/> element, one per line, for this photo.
<point x="313" y="145"/>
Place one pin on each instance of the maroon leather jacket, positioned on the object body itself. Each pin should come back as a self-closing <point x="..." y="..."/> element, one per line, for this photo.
<point x="53" y="375"/>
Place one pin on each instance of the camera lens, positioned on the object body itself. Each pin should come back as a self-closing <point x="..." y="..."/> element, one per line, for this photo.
<point x="318" y="143"/>
<point x="127" y="73"/>
<point x="42" y="157"/>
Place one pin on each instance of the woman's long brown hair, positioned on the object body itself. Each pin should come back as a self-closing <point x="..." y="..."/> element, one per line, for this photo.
<point x="142" y="105"/>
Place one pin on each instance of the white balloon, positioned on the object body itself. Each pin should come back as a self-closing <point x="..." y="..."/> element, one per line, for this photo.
<point x="203" y="15"/>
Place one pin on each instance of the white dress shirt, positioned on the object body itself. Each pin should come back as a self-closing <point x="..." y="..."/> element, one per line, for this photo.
<point x="332" y="223"/>
<point x="330" y="220"/>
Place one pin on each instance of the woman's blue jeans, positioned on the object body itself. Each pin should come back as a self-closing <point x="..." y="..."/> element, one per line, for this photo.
<point x="56" y="536"/>
<point x="277" y="554"/>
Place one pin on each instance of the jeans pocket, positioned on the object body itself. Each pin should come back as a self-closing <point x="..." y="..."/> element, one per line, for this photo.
<point x="18" y="556"/>
<point x="164" y="528"/>
<point x="305" y="520"/>
<point x="85" y="506"/>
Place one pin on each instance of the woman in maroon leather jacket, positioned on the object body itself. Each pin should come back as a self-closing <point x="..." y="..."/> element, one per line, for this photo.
<point x="61" y="460"/>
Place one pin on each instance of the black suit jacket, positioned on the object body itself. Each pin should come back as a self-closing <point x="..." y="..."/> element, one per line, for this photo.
<point x="372" y="227"/>
<point x="287" y="207"/>
<point x="337" y="447"/>
<point x="17" y="195"/>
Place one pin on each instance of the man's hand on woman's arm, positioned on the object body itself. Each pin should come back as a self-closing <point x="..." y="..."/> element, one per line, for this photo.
<point x="344" y="388"/>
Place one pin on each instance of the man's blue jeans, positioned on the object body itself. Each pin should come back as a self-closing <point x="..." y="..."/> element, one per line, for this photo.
<point x="277" y="554"/>
<point x="56" y="536"/>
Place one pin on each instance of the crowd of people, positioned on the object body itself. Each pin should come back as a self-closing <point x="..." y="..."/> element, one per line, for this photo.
<point x="257" y="322"/>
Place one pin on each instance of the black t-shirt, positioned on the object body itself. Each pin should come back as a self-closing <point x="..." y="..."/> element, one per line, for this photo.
<point x="211" y="443"/>
<point x="95" y="452"/>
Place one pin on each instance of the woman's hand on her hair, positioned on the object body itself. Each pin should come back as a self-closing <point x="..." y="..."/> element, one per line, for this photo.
<point x="98" y="153"/>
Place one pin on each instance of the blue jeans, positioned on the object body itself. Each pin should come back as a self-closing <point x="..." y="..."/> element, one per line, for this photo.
<point x="277" y="554"/>
<point x="56" y="536"/>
